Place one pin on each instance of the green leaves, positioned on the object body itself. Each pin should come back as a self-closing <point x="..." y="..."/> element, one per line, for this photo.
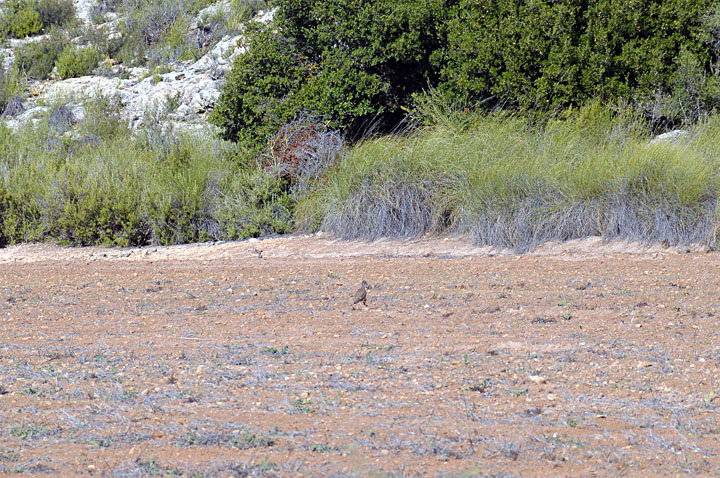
<point x="552" y="54"/>
<point x="359" y="61"/>
<point x="349" y="61"/>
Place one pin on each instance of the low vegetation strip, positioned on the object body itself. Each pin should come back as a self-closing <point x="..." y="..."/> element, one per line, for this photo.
<point x="102" y="184"/>
<point x="503" y="179"/>
<point x="512" y="184"/>
<point x="548" y="136"/>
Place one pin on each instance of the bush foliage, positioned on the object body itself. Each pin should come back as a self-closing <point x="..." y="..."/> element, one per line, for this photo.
<point x="545" y="55"/>
<point x="363" y="63"/>
<point x="354" y="62"/>
<point x="22" y="18"/>
<point x="37" y="59"/>
<point x="77" y="61"/>
<point x="105" y="186"/>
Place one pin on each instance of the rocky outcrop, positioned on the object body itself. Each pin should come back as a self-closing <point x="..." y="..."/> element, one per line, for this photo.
<point x="191" y="87"/>
<point x="671" y="137"/>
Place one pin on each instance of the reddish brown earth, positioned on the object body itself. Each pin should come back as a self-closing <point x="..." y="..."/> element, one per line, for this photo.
<point x="584" y="359"/>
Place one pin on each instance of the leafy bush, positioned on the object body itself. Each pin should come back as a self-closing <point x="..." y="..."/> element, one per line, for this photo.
<point x="546" y="55"/>
<point x="20" y="19"/>
<point x="364" y="63"/>
<point x="55" y="12"/>
<point x="37" y="59"/>
<point x="255" y="99"/>
<point x="352" y="61"/>
<point x="77" y="61"/>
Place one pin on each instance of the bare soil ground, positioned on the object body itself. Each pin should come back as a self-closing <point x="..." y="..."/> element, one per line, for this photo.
<point x="248" y="359"/>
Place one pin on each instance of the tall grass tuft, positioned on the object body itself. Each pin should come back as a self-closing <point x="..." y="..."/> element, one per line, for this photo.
<point x="99" y="184"/>
<point x="511" y="183"/>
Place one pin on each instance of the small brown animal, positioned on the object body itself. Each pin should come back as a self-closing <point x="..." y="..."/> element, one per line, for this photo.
<point x="361" y="294"/>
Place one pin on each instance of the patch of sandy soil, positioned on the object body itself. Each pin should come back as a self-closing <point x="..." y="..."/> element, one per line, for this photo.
<point x="248" y="359"/>
<point x="324" y="246"/>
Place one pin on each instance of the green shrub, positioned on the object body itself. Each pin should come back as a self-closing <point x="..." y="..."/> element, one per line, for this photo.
<point x="37" y="59"/>
<point x="55" y="12"/>
<point x="77" y="61"/>
<point x="256" y="96"/>
<point x="546" y="55"/>
<point x="20" y="19"/>
<point x="256" y="204"/>
<point x="364" y="63"/>
<point x="354" y="62"/>
<point x="107" y="43"/>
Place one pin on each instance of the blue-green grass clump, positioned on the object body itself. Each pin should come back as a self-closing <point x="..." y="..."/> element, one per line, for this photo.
<point x="511" y="183"/>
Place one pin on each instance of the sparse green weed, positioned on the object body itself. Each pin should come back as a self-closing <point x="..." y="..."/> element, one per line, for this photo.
<point x="29" y="431"/>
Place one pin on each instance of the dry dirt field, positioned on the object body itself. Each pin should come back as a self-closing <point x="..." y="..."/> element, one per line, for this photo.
<point x="248" y="359"/>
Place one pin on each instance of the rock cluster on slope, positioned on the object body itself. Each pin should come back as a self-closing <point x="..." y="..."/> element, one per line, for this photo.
<point x="193" y="87"/>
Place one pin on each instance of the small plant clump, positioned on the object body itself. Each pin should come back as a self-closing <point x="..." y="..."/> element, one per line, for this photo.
<point x="159" y="31"/>
<point x="37" y="59"/>
<point x="77" y="61"/>
<point x="11" y="87"/>
<point x="23" y="18"/>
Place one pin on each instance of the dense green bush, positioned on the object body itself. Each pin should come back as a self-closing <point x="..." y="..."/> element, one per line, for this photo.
<point x="22" y="18"/>
<point x="550" y="54"/>
<point x="255" y="96"/>
<point x="354" y="62"/>
<point x="77" y="61"/>
<point x="55" y="12"/>
<point x="364" y="62"/>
